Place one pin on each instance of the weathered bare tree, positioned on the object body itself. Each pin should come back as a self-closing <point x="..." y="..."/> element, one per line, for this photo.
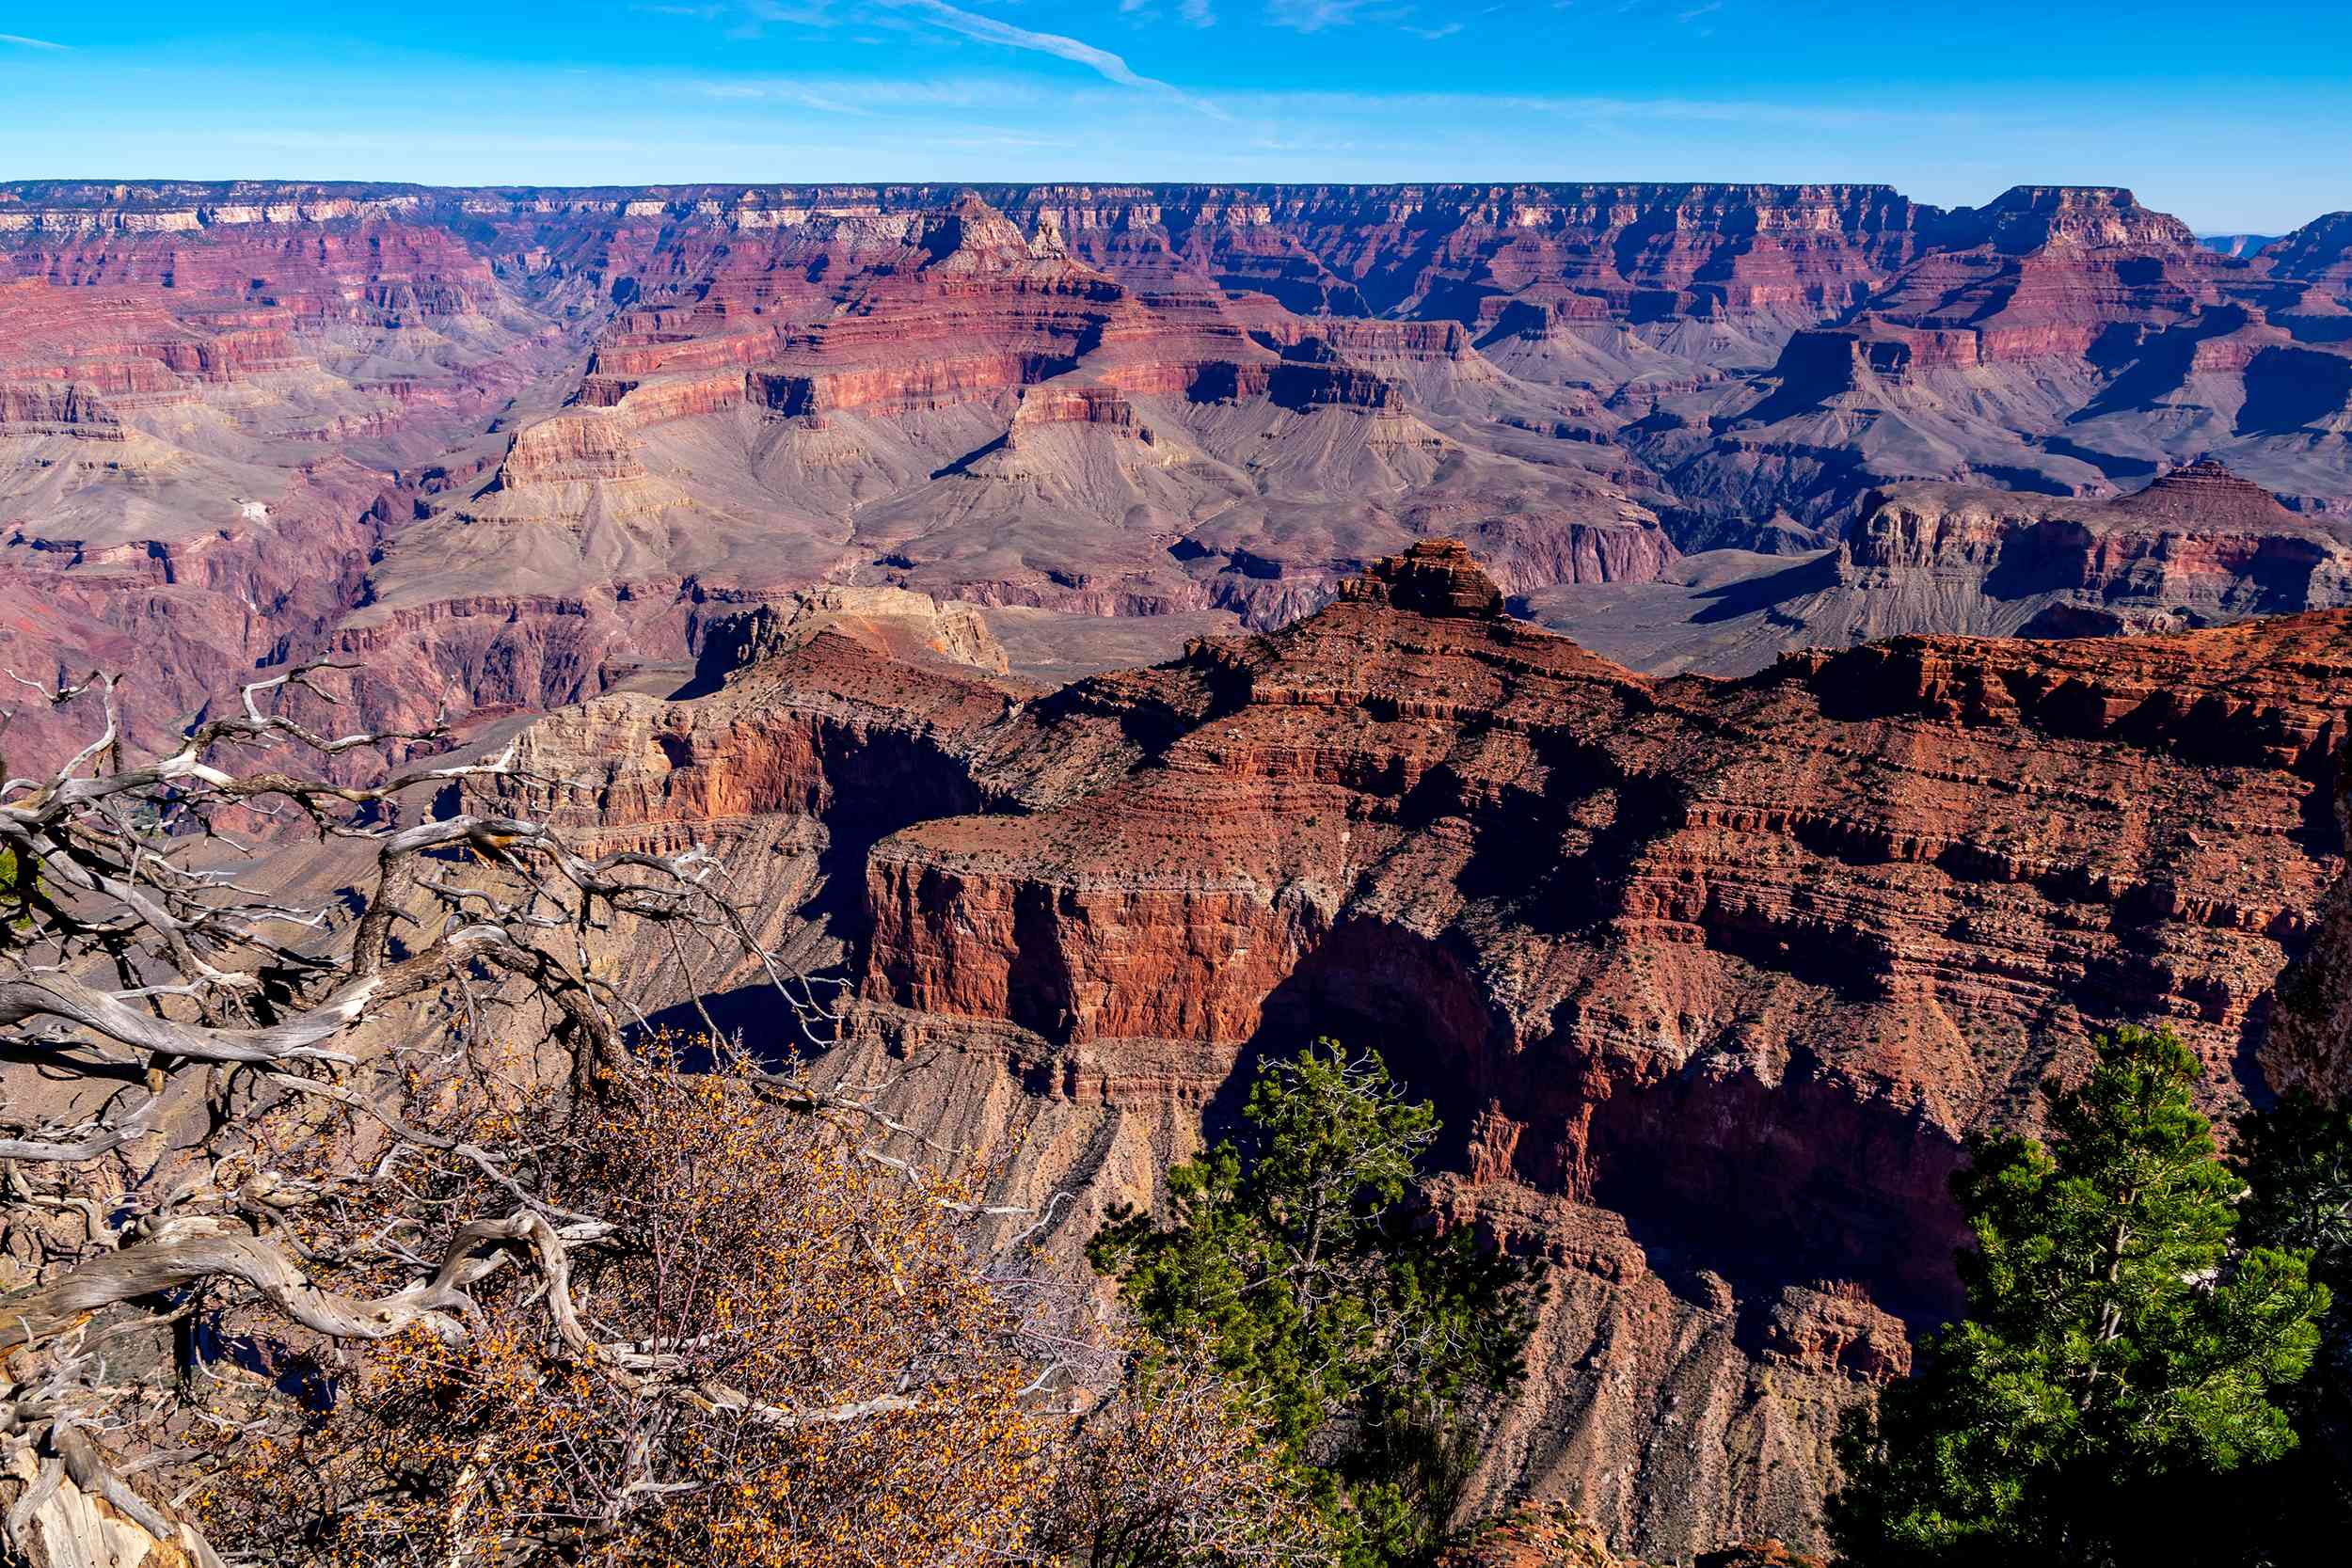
<point x="181" y="1045"/>
<point x="353" y="1210"/>
<point x="1174" y="1468"/>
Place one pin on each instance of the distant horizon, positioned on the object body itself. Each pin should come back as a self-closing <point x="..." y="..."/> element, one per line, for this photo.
<point x="825" y="182"/>
<point x="2234" y="130"/>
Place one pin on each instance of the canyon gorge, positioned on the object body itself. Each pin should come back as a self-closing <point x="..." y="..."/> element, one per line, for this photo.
<point x="1726" y="686"/>
<point x="511" y="448"/>
<point x="1711" y="979"/>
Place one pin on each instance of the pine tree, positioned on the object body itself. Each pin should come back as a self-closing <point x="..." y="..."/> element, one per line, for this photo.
<point x="2297" y="1160"/>
<point x="1292" y="1259"/>
<point x="2119" y="1350"/>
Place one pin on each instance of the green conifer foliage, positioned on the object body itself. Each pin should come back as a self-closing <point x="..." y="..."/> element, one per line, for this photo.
<point x="2120" y="1350"/>
<point x="1375" y="1339"/>
<point x="2296" y="1160"/>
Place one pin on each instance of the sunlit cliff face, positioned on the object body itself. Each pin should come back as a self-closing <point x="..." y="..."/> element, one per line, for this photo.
<point x="1709" y="979"/>
<point x="515" y="446"/>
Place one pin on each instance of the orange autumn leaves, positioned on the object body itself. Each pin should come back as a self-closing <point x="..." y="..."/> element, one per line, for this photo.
<point x="843" y="1381"/>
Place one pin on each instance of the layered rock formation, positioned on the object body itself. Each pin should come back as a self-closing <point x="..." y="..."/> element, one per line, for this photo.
<point x="206" y="429"/>
<point x="2055" y="340"/>
<point x="2196" y="547"/>
<point x="2319" y="254"/>
<point x="1709" y="978"/>
<point x="1537" y="257"/>
<point x="583" y="427"/>
<point x="1069" y="431"/>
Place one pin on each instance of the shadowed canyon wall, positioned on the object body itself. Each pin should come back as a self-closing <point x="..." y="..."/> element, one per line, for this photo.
<point x="517" y="447"/>
<point x="1710" y="978"/>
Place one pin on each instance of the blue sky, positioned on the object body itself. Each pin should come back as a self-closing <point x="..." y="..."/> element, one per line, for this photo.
<point x="2233" y="117"/>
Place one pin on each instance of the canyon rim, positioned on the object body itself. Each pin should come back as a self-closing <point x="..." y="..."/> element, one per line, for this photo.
<point x="517" y="571"/>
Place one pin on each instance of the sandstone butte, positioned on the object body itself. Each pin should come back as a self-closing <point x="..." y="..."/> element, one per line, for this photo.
<point x="1708" y="977"/>
<point x="508" y="448"/>
<point x="2195" y="546"/>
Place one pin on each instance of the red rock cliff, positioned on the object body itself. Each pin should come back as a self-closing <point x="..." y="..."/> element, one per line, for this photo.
<point x="1709" y="978"/>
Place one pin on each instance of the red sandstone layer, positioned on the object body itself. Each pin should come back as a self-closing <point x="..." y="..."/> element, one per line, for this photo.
<point x="1710" y="978"/>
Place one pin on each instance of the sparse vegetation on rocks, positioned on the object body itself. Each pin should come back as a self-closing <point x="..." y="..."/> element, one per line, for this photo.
<point x="2123" y="1347"/>
<point x="1291" y="1259"/>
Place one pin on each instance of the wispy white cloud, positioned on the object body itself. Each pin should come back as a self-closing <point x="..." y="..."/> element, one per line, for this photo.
<point x="1195" y="13"/>
<point x="806" y="13"/>
<point x="24" y="42"/>
<point x="1298" y="106"/>
<point x="881" y="98"/>
<point x="1288" y="117"/>
<point x="1110" y="67"/>
<point x="691" y="155"/>
<point x="989" y="30"/>
<point x="1313" y="16"/>
<point x="784" y="92"/>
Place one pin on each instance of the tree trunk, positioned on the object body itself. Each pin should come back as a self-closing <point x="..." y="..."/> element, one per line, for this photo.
<point x="68" y="1527"/>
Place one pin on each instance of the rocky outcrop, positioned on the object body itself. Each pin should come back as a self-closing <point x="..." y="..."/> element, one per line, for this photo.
<point x="1535" y="1535"/>
<point x="2195" y="546"/>
<point x="57" y="408"/>
<point x="1709" y="979"/>
<point x="568" y="448"/>
<point x="1439" y="579"/>
<point x="2147" y="700"/>
<point x="1588" y="913"/>
<point x="2054" y="340"/>
<point x="1130" y="401"/>
<point x="2046" y="272"/>
<point x="2319" y="253"/>
<point x="808" y="731"/>
<point x="1553" y="1536"/>
<point x="2310" y="1042"/>
<point x="911" y="627"/>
